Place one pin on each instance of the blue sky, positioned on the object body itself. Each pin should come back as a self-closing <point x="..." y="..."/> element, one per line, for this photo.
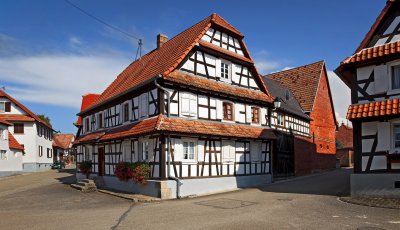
<point x="51" y="53"/>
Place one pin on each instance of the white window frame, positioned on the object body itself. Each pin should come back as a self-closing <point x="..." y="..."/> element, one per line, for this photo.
<point x="282" y="123"/>
<point x="390" y="66"/>
<point x="123" y="112"/>
<point x="188" y="140"/>
<point x="145" y="156"/>
<point x="3" y="109"/>
<point x="226" y="146"/>
<point x="229" y="64"/>
<point x="3" y="154"/>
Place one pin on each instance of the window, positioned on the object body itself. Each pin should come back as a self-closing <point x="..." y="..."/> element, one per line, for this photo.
<point x="144" y="105"/>
<point x="40" y="151"/>
<point x="5" y="106"/>
<point x="2" y="107"/>
<point x="188" y="150"/>
<point x="127" y="152"/>
<point x="255" y="151"/>
<point x="188" y="105"/>
<point x="3" y="155"/>
<point x="19" y="128"/>
<point x="228" y="111"/>
<point x="126" y="112"/>
<point x="255" y="115"/>
<point x="396" y="136"/>
<point x="145" y="151"/>
<point x="396" y="77"/>
<point x="49" y="153"/>
<point x="100" y="121"/>
<point x="225" y="75"/>
<point x="280" y="119"/>
<point x="87" y="124"/>
<point x="87" y="154"/>
<point x="228" y="151"/>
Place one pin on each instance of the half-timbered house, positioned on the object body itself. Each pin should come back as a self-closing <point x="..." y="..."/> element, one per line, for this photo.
<point x="373" y="74"/>
<point x="195" y="108"/>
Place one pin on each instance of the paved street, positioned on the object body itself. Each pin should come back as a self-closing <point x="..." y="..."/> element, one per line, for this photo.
<point x="45" y="201"/>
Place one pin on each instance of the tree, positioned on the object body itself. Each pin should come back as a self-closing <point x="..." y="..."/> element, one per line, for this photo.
<point x="45" y="118"/>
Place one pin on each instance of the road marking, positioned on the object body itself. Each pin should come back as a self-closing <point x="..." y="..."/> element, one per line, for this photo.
<point x="394" y="221"/>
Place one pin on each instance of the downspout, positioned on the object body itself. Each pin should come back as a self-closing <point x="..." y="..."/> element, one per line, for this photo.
<point x="178" y="182"/>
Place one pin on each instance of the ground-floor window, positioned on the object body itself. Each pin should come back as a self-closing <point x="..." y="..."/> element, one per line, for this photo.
<point x="3" y="155"/>
<point x="188" y="150"/>
<point x="145" y="150"/>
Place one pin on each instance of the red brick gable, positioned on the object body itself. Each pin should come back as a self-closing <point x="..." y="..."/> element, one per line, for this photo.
<point x="166" y="59"/>
<point x="344" y="136"/>
<point x="302" y="81"/>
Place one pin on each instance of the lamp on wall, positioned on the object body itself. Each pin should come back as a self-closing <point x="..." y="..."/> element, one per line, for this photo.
<point x="277" y="103"/>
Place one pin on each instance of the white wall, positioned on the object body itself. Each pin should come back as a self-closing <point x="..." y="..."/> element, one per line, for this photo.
<point x="14" y="109"/>
<point x="13" y="160"/>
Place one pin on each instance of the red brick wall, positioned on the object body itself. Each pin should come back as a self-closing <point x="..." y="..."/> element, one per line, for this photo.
<point x="307" y="160"/>
<point x="323" y="125"/>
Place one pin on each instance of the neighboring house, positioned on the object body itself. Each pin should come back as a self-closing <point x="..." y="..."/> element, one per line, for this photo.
<point x="30" y="131"/>
<point x="309" y="86"/>
<point x="373" y="75"/>
<point x="87" y="101"/>
<point x="195" y="108"/>
<point x="62" y="146"/>
<point x="10" y="152"/>
<point x="344" y="145"/>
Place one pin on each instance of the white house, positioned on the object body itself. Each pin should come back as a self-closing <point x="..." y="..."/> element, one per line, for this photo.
<point x="10" y="152"/>
<point x="30" y="131"/>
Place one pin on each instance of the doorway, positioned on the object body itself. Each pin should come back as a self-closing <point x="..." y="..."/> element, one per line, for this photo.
<point x="102" y="162"/>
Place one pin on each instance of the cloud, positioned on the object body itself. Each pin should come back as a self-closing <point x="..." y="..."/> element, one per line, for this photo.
<point x="265" y="66"/>
<point x="341" y="97"/>
<point x="59" y="79"/>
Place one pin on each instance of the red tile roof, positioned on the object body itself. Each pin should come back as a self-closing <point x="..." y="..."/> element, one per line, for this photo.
<point x="345" y="136"/>
<point x="166" y="59"/>
<point x="373" y="53"/>
<point x="87" y="101"/>
<point x="13" y="143"/>
<point x="26" y="110"/>
<point x="16" y="117"/>
<point x="203" y="83"/>
<point x="4" y="122"/>
<point x="374" y="109"/>
<point x="302" y="81"/>
<point x="179" y="126"/>
<point x="63" y="140"/>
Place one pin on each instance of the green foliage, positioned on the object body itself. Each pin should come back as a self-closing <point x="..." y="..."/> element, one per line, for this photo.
<point x="45" y="118"/>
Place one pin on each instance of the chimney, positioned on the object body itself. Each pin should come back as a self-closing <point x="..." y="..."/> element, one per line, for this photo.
<point x="161" y="39"/>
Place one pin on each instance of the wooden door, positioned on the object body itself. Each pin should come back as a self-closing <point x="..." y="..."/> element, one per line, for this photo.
<point x="102" y="162"/>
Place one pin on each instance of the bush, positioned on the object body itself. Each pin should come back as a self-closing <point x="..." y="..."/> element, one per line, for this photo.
<point x="85" y="167"/>
<point x="138" y="172"/>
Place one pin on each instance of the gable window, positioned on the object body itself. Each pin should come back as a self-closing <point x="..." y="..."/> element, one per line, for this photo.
<point x="280" y="119"/>
<point x="225" y="71"/>
<point x="255" y="115"/>
<point x="100" y="120"/>
<point x="126" y="112"/>
<point x="395" y="77"/>
<point x="188" y="105"/>
<point x="188" y="150"/>
<point x="228" y="111"/>
<point x="19" y="128"/>
<point x="3" y="155"/>
<point x="396" y="136"/>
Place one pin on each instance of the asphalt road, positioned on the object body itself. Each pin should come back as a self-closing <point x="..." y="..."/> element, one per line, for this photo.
<point x="45" y="201"/>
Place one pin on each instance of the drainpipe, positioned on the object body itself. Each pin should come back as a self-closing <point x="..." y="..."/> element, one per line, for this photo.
<point x="178" y="182"/>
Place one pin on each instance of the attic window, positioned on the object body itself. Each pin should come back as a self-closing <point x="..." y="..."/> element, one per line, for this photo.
<point x="287" y="95"/>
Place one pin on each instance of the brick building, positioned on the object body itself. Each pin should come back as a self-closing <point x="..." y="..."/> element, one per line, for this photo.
<point x="344" y="145"/>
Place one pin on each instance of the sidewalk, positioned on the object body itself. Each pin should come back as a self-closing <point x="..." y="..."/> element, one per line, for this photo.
<point x="392" y="203"/>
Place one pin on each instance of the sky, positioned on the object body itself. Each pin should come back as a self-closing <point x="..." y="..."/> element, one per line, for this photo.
<point x="51" y="53"/>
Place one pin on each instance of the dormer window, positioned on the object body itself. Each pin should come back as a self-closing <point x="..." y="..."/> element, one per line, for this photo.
<point x="287" y="95"/>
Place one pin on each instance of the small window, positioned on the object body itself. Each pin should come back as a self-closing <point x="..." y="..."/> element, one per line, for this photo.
<point x="280" y="119"/>
<point x="228" y="111"/>
<point x="7" y="106"/>
<point x="225" y="74"/>
<point x="40" y="151"/>
<point x="145" y="151"/>
<point x="2" y="107"/>
<point x="19" y="128"/>
<point x="100" y="120"/>
<point x="287" y="95"/>
<point x="87" y="125"/>
<point x="255" y="115"/>
<point x="396" y="77"/>
<point x="188" y="105"/>
<point x="188" y="150"/>
<point x="3" y="155"/>
<point x="396" y="136"/>
<point x="126" y="112"/>
<point x="49" y="153"/>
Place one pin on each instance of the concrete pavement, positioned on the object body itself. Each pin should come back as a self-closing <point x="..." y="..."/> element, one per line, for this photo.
<point x="303" y="203"/>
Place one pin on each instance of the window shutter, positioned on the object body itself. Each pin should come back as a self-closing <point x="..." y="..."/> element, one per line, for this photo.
<point x="5" y="134"/>
<point x="381" y="79"/>
<point x="185" y="104"/>
<point x="383" y="136"/>
<point x="200" y="151"/>
<point x="232" y="152"/>
<point x="248" y="114"/>
<point x="263" y="114"/>
<point x="193" y="105"/>
<point x="178" y="150"/>
<point x="218" y="68"/>
<point x="144" y="105"/>
<point x="8" y="106"/>
<point x="220" y="112"/>
<point x="237" y="112"/>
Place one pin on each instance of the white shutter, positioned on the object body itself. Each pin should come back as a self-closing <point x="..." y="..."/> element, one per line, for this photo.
<point x="136" y="151"/>
<point x="5" y="134"/>
<point x="200" y="151"/>
<point x="218" y="68"/>
<point x="381" y="79"/>
<point x="237" y="112"/>
<point x="383" y="136"/>
<point x="193" y="105"/>
<point x="255" y="151"/>
<point x="228" y="151"/>
<point x="263" y="116"/>
<point x="220" y="112"/>
<point x="144" y="105"/>
<point x="248" y="114"/>
<point x="185" y="104"/>
<point x="178" y="150"/>
<point x="232" y="152"/>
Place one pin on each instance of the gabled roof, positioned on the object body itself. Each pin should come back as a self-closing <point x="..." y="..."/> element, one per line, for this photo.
<point x="290" y="105"/>
<point x="87" y="101"/>
<point x="63" y="141"/>
<point x="26" y="110"/>
<point x="4" y="122"/>
<point x="345" y="136"/>
<point x="303" y="81"/>
<point x="17" y="117"/>
<point x="13" y="143"/>
<point x="166" y="59"/>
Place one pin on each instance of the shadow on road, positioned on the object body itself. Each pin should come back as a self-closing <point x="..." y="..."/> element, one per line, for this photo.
<point x="332" y="183"/>
<point x="69" y="177"/>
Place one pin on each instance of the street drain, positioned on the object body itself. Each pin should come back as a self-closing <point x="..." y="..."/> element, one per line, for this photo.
<point x="224" y="203"/>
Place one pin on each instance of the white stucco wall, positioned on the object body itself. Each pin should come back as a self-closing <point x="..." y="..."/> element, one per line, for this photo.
<point x="13" y="160"/>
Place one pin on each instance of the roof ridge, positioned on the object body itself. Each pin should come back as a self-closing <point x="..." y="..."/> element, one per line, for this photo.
<point x="297" y="67"/>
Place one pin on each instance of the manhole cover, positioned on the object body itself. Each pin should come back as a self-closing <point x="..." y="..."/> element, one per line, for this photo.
<point x="369" y="228"/>
<point x="224" y="203"/>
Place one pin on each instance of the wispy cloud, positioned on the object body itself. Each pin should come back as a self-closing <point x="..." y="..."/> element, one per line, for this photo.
<point x="341" y="96"/>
